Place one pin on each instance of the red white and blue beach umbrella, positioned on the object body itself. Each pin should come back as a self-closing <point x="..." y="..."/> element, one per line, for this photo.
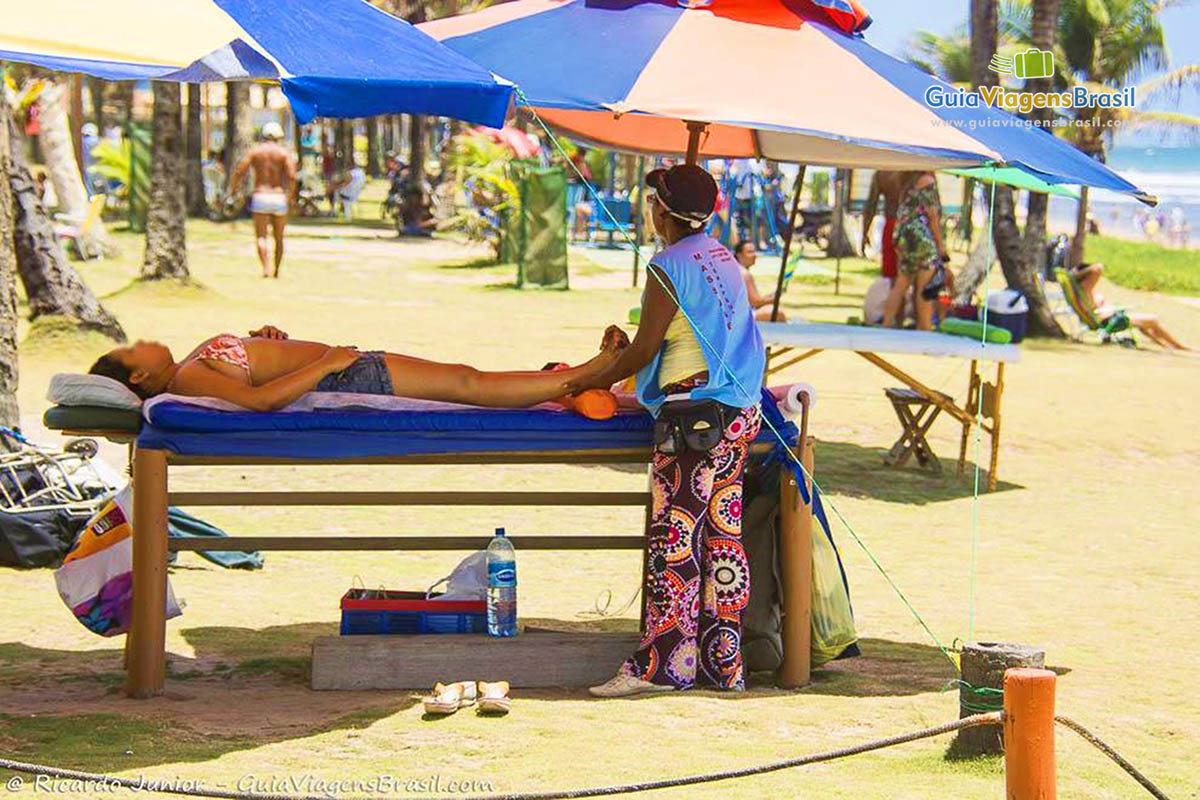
<point x="333" y="58"/>
<point x="789" y="80"/>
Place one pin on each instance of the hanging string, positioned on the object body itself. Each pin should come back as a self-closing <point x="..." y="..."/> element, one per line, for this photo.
<point x="797" y="466"/>
<point x="975" y="506"/>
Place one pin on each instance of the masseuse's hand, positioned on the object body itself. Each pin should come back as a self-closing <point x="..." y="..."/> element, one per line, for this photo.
<point x="339" y="358"/>
<point x="614" y="338"/>
<point x="269" y="332"/>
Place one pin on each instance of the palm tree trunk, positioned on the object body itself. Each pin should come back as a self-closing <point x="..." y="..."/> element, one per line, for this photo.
<point x="58" y="149"/>
<point x="239" y="128"/>
<point x="52" y="286"/>
<point x="840" y="245"/>
<point x="373" y="144"/>
<point x="1018" y="271"/>
<point x="196" y="204"/>
<point x="9" y="412"/>
<point x="166" y="247"/>
<point x="1081" y="228"/>
<point x="1045" y="27"/>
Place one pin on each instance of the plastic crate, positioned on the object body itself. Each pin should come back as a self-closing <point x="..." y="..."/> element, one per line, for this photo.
<point x="382" y="611"/>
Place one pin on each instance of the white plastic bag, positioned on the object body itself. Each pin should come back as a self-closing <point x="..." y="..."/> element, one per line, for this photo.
<point x="467" y="581"/>
<point x="96" y="577"/>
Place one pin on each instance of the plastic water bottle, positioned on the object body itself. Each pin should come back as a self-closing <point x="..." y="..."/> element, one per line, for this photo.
<point x="501" y="587"/>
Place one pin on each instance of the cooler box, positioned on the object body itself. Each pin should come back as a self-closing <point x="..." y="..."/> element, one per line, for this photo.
<point x="1008" y="309"/>
<point x="383" y="611"/>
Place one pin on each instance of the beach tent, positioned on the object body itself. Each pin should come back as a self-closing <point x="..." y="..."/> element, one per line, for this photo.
<point x="333" y="58"/>
<point x="1016" y="178"/>
<point x="781" y="79"/>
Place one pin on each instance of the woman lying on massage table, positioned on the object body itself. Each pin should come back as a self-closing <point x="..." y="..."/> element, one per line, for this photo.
<point x="267" y="371"/>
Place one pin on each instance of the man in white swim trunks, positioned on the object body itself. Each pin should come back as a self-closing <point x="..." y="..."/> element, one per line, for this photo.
<point x="274" y="184"/>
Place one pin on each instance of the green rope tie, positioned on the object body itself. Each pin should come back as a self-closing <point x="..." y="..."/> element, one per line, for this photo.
<point x="977" y="699"/>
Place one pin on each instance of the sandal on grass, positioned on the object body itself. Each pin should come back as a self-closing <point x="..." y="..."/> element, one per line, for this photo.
<point x="446" y="699"/>
<point x="493" y="697"/>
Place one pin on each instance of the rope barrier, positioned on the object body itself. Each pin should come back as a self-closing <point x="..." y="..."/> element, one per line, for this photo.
<point x="1105" y="748"/>
<point x="599" y="791"/>
<point x="973" y="721"/>
<point x="797" y="465"/>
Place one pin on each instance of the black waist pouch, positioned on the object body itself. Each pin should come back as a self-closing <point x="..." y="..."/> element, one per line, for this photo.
<point x="691" y="425"/>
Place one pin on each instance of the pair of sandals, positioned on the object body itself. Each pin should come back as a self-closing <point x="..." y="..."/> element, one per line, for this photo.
<point x="491" y="698"/>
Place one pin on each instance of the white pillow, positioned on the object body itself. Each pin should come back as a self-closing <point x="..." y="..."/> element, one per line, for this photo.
<point x="70" y="389"/>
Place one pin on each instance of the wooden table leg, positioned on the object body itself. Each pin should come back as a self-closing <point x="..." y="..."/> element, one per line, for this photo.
<point x="795" y="567"/>
<point x="996" y="397"/>
<point x="146" y="668"/>
<point x="966" y="426"/>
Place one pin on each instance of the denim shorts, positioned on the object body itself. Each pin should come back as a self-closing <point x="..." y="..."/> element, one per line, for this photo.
<point x="368" y="375"/>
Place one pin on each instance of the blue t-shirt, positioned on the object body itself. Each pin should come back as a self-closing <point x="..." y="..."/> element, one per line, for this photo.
<point x="707" y="282"/>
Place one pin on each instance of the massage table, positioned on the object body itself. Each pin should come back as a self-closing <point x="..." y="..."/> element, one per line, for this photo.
<point x="172" y="435"/>
<point x="784" y="339"/>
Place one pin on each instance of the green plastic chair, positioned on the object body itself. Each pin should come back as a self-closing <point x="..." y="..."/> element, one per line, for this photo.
<point x="1110" y="328"/>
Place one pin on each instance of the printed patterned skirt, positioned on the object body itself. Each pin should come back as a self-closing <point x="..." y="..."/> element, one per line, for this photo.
<point x="697" y="578"/>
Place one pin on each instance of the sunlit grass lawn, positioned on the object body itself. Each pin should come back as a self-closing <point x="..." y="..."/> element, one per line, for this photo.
<point x="1088" y="550"/>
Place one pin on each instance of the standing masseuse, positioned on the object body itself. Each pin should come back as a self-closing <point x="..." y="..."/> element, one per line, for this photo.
<point x="702" y="385"/>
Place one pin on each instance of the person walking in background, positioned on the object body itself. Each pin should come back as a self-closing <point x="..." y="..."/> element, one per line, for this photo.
<point x="885" y="184"/>
<point x="274" y="183"/>
<point x="919" y="247"/>
<point x="747" y="254"/>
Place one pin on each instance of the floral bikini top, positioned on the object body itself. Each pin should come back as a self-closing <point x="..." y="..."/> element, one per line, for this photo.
<point x="228" y="349"/>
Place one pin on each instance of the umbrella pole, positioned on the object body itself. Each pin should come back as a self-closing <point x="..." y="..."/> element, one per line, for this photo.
<point x="639" y="213"/>
<point x="787" y="242"/>
<point x="693" y="148"/>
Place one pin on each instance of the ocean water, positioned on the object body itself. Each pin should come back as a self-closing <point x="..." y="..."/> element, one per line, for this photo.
<point x="1172" y="174"/>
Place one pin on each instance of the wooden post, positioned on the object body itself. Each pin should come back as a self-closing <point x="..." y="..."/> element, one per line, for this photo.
<point x="1029" y="771"/>
<point x="795" y="565"/>
<point x="787" y="242"/>
<point x="146" y="672"/>
<point x="695" y="129"/>
<point x="971" y="409"/>
<point x="992" y="477"/>
<point x="983" y="667"/>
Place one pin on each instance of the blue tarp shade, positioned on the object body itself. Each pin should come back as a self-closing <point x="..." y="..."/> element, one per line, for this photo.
<point x="349" y="59"/>
<point x="337" y="58"/>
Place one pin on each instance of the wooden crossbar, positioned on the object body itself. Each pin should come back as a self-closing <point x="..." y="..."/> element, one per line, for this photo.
<point x="409" y="498"/>
<point x="402" y="543"/>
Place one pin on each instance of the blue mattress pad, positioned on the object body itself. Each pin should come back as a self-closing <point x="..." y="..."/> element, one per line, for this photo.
<point x="361" y="432"/>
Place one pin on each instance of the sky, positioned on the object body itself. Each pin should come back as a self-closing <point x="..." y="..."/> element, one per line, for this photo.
<point x="895" y="23"/>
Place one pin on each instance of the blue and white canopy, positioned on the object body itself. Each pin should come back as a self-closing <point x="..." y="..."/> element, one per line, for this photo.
<point x="334" y="58"/>
<point x="780" y="79"/>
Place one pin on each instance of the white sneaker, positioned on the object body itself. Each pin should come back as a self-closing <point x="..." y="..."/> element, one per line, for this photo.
<point x="623" y="685"/>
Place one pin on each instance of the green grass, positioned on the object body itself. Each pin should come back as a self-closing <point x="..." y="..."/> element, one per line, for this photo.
<point x="1146" y="266"/>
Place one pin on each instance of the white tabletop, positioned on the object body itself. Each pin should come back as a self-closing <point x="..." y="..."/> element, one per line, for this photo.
<point x="831" y="336"/>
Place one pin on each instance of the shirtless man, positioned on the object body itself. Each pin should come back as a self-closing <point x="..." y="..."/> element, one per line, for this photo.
<point x="274" y="184"/>
<point x="888" y="185"/>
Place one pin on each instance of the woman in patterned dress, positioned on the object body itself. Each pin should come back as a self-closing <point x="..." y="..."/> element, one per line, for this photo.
<point x="919" y="247"/>
<point x="697" y="351"/>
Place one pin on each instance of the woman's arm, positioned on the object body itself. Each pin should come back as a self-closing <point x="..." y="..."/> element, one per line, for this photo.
<point x="757" y="300"/>
<point x="658" y="308"/>
<point x="197" y="379"/>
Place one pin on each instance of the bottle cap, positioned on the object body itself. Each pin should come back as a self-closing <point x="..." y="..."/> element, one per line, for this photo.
<point x="500" y="531"/>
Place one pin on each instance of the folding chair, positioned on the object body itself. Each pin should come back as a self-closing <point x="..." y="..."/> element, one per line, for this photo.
<point x="1085" y="310"/>
<point x="76" y="230"/>
<point x="916" y="413"/>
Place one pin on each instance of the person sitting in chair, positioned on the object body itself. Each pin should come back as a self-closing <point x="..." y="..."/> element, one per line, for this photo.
<point x="747" y="254"/>
<point x="1088" y="276"/>
<point x="266" y="371"/>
